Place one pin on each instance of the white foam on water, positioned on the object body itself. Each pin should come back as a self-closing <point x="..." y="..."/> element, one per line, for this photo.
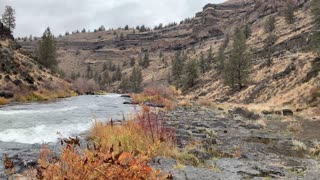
<point x="40" y="111"/>
<point x="42" y="133"/>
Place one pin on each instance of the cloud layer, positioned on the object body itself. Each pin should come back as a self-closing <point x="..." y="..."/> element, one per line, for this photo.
<point x="33" y="16"/>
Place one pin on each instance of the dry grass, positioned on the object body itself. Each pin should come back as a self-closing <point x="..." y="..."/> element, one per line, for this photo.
<point x="132" y="137"/>
<point x="4" y="101"/>
<point x="159" y="95"/>
<point x="205" y="102"/>
<point x="295" y="127"/>
<point x="299" y="146"/>
<point x="184" y="103"/>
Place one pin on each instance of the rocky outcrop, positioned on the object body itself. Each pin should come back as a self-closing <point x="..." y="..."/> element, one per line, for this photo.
<point x="230" y="147"/>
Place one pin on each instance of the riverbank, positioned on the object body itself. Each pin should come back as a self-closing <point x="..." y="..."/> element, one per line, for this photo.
<point x="209" y="143"/>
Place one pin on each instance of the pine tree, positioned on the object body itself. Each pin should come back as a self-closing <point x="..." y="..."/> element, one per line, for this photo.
<point x="269" y="24"/>
<point x="237" y="68"/>
<point x="210" y="57"/>
<point x="146" y="60"/>
<point x="289" y="12"/>
<point x="46" y="51"/>
<point x="203" y="63"/>
<point x="315" y="9"/>
<point x="177" y="69"/>
<point x="247" y="31"/>
<point x="190" y="74"/>
<point x="83" y="30"/>
<point x="221" y="56"/>
<point x="126" y="27"/>
<point x="8" y="18"/>
<point x="315" y="38"/>
<point x="132" y="62"/>
<point x="118" y="73"/>
<point x="136" y="79"/>
<point x="125" y="83"/>
<point x="269" y="47"/>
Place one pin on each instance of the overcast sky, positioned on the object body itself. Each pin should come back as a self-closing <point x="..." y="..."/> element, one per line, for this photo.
<point x="33" y="16"/>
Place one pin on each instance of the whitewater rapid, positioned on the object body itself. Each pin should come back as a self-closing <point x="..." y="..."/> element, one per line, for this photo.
<point x="38" y="123"/>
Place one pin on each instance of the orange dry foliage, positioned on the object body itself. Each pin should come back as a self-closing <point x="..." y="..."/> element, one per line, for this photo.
<point x="158" y="95"/>
<point x="96" y="162"/>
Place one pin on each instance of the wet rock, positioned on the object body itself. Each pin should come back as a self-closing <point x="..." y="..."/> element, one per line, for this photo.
<point x="6" y="94"/>
<point x="287" y="112"/>
<point x="150" y="104"/>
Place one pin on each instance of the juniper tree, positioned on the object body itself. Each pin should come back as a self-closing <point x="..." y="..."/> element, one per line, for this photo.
<point x="118" y="73"/>
<point x="221" y="56"/>
<point x="203" y="63"/>
<point x="289" y="12"/>
<point x="8" y="18"/>
<point x="210" y="57"/>
<point x="190" y="74"/>
<point x="136" y="79"/>
<point x="177" y="69"/>
<point x="269" y="47"/>
<point x="315" y="38"/>
<point x="269" y="24"/>
<point x="132" y="62"/>
<point x="46" y="50"/>
<point x="247" y="31"/>
<point x="237" y="68"/>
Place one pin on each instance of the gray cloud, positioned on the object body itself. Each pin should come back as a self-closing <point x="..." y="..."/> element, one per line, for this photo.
<point x="33" y="16"/>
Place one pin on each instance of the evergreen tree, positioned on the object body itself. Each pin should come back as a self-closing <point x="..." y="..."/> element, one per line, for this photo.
<point x="203" y="63"/>
<point x="270" y="24"/>
<point x="315" y="38"/>
<point x="190" y="74"/>
<point x="237" y="68"/>
<point x="247" y="31"/>
<point x="125" y="83"/>
<point x="315" y="9"/>
<point x="46" y="51"/>
<point x="101" y="28"/>
<point x="210" y="57"/>
<point x="132" y="62"/>
<point x="118" y="73"/>
<point x="89" y="72"/>
<point x="83" y="30"/>
<point x="8" y="18"/>
<point x="221" y="56"/>
<point x="269" y="47"/>
<point x="136" y="79"/>
<point x="177" y="69"/>
<point x="146" y="60"/>
<point x="289" y="12"/>
<point x="126" y="27"/>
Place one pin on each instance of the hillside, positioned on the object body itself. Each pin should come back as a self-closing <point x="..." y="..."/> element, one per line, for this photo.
<point x="22" y="78"/>
<point x="287" y="83"/>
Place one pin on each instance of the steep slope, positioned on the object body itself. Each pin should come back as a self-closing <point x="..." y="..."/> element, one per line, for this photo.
<point x="286" y="83"/>
<point x="23" y="79"/>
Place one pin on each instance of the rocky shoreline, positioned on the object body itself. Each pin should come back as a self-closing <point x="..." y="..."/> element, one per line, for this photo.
<point x="231" y="146"/>
<point x="220" y="145"/>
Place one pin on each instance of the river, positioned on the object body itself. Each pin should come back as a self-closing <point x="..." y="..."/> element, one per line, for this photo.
<point x="24" y="127"/>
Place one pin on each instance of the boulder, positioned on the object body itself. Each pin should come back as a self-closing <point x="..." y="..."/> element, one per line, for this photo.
<point x="287" y="112"/>
<point x="6" y="94"/>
